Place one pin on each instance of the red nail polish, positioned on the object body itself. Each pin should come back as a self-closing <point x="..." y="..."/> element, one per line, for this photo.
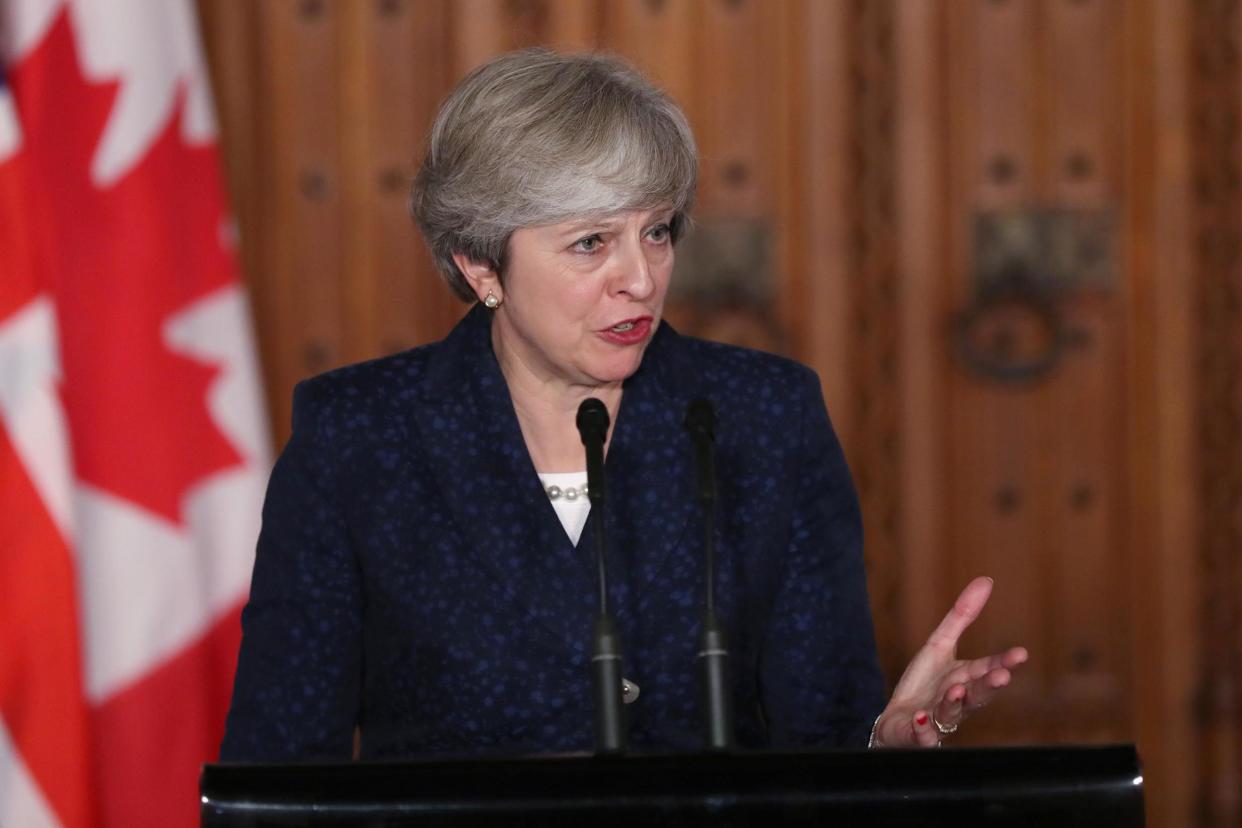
<point x="921" y="719"/>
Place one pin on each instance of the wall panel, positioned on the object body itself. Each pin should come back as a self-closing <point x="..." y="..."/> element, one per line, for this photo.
<point x="302" y="146"/>
<point x="1162" y="577"/>
<point x="1216" y="133"/>
<point x="659" y="37"/>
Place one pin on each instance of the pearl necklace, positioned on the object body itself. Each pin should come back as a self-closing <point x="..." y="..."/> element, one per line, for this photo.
<point x="570" y="493"/>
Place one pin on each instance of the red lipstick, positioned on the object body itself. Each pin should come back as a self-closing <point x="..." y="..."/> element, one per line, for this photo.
<point x="628" y="331"/>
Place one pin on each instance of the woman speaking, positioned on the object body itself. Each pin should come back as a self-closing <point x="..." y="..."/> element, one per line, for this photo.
<point x="419" y="578"/>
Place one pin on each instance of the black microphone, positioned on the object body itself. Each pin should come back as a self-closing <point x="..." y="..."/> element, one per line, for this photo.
<point x="593" y="424"/>
<point x="713" y="655"/>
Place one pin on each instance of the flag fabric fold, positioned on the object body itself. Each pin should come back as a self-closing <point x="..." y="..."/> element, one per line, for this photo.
<point x="133" y="447"/>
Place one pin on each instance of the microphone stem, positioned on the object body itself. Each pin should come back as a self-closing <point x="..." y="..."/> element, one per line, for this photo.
<point x="606" y="662"/>
<point x="709" y="548"/>
<point x="599" y="562"/>
<point x="606" y="641"/>
<point x="713" y="658"/>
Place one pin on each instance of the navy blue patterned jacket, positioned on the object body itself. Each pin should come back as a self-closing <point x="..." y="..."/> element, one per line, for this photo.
<point x="412" y="578"/>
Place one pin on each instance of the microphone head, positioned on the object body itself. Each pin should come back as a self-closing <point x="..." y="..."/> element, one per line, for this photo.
<point x="701" y="418"/>
<point x="592" y="419"/>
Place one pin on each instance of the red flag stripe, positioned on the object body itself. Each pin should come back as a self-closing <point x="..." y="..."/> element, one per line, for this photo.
<point x="20" y="282"/>
<point x="41" y="703"/>
<point x="40" y="677"/>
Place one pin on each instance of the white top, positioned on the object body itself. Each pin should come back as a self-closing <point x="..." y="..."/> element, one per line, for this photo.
<point x="573" y="513"/>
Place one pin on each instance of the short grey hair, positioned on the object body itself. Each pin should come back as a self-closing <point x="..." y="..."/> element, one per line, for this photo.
<point x="534" y="137"/>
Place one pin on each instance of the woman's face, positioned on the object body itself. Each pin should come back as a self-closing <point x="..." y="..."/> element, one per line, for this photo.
<point x="581" y="299"/>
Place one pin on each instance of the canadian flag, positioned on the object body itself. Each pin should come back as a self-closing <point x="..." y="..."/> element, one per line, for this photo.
<point x="133" y="447"/>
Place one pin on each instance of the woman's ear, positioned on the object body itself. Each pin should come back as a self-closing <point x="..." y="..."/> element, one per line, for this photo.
<point x="481" y="276"/>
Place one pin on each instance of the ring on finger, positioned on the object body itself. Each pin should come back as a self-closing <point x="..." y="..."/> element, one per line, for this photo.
<point x="943" y="729"/>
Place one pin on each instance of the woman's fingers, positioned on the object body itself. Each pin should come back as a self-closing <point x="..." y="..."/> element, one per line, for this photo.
<point x="961" y="700"/>
<point x="981" y="691"/>
<point x="965" y="610"/>
<point x="951" y="709"/>
<point x="1014" y="657"/>
<point x="979" y="667"/>
<point x="925" y="733"/>
<point x="1010" y="659"/>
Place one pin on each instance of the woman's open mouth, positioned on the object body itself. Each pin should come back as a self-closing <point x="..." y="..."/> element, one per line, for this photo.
<point x="628" y="332"/>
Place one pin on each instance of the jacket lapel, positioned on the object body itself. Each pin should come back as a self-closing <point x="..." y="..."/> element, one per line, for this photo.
<point x="466" y="424"/>
<point x="650" y="478"/>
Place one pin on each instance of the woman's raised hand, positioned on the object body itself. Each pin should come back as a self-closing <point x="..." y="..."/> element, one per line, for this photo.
<point x="938" y="690"/>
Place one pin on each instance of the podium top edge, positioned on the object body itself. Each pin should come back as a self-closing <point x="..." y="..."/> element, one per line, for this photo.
<point x="1051" y="766"/>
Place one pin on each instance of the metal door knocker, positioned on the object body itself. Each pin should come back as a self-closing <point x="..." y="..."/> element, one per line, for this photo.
<point x="1028" y="265"/>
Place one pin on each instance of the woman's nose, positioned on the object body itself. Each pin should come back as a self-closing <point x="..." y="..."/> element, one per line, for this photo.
<point x="634" y="274"/>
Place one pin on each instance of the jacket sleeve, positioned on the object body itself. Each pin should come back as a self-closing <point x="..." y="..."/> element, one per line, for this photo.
<point x="820" y="681"/>
<point x="296" y="692"/>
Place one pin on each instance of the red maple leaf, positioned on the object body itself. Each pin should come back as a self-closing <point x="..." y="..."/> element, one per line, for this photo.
<point x="18" y="274"/>
<point x="122" y="260"/>
<point x="19" y="269"/>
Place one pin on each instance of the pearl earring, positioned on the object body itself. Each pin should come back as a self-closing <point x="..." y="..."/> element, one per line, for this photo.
<point x="491" y="301"/>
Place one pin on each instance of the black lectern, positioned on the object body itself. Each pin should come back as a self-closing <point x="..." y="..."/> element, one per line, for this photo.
<point x="1061" y="787"/>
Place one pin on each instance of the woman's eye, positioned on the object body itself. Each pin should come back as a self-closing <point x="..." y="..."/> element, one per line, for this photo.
<point x="590" y="244"/>
<point x="659" y="233"/>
